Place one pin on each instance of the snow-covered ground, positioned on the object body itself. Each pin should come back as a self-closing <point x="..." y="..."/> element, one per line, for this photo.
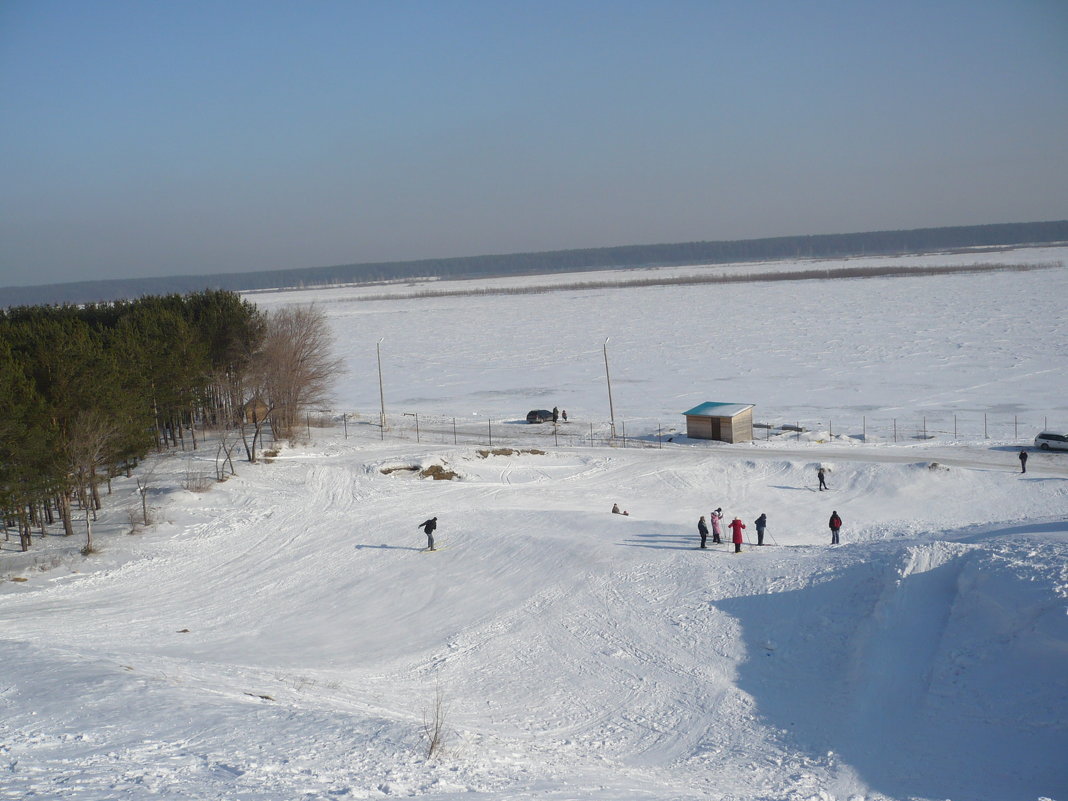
<point x="814" y="352"/>
<point x="282" y="636"/>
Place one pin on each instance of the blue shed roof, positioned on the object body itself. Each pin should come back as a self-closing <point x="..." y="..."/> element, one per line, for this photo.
<point x="711" y="409"/>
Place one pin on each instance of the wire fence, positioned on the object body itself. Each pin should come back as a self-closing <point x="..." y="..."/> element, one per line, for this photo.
<point x="939" y="426"/>
<point x="644" y="433"/>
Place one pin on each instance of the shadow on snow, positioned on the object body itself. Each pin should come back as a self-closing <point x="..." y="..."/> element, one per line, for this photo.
<point x="930" y="679"/>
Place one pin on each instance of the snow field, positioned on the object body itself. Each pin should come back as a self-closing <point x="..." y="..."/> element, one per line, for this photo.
<point x="808" y="351"/>
<point x="579" y="653"/>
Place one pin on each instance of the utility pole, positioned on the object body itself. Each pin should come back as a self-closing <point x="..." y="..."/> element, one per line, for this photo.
<point x="608" y="378"/>
<point x="381" y="392"/>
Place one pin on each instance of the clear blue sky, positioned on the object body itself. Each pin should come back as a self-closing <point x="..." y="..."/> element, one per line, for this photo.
<point x="161" y="137"/>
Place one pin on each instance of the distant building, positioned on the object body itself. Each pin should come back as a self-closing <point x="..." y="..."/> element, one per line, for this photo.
<point x="256" y="410"/>
<point x="726" y="422"/>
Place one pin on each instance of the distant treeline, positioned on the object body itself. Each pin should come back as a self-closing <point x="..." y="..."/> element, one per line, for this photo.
<point x="823" y="246"/>
<point x="691" y="280"/>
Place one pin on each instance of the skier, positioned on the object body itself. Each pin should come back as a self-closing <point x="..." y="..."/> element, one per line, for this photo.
<point x="823" y="479"/>
<point x="761" y="523"/>
<point x="428" y="527"/>
<point x="556" y="414"/>
<point x="737" y="526"/>
<point x="563" y="415"/>
<point x="1023" y="461"/>
<point x="716" y="532"/>
<point x="835" y="523"/>
<point x="702" y="529"/>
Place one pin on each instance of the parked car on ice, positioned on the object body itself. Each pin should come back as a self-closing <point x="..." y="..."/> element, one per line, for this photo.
<point x="1049" y="440"/>
<point x="539" y="416"/>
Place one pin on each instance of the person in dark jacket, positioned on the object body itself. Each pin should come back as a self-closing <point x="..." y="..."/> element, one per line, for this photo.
<point x="835" y="523"/>
<point x="737" y="526"/>
<point x="761" y="523"/>
<point x="702" y="529"/>
<point x="428" y="527"/>
<point x="556" y="414"/>
<point x="823" y="479"/>
<point x="1023" y="461"/>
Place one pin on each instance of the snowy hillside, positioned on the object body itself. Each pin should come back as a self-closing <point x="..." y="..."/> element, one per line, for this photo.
<point x="283" y="635"/>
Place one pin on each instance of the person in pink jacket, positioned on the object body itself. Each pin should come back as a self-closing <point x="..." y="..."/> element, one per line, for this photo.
<point x="736" y="526"/>
<point x="716" y="532"/>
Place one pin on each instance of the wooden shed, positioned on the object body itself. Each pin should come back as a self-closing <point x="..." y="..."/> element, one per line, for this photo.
<point x="726" y="422"/>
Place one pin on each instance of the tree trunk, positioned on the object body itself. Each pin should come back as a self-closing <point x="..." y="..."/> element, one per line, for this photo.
<point x="94" y="489"/>
<point x="64" y="514"/>
<point x="160" y="437"/>
<point x="24" y="529"/>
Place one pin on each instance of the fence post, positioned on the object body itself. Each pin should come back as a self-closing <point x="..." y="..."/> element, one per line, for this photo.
<point x="659" y="436"/>
<point x="798" y="429"/>
<point x="864" y="428"/>
<point x="556" y="435"/>
<point x="1015" y="427"/>
<point x="925" y="426"/>
<point x="954" y="426"/>
<point x="895" y="429"/>
<point x="454" y="431"/>
<point x="624" y="433"/>
<point x="985" y="435"/>
<point x="345" y="423"/>
<point x="490" y="424"/>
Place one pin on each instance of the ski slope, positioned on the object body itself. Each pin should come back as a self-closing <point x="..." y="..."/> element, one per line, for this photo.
<point x="283" y="635"/>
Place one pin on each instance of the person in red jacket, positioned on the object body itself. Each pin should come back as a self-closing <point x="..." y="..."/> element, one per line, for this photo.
<point x="736" y="526"/>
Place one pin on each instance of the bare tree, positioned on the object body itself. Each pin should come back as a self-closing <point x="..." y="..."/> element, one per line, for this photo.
<point x="296" y="365"/>
<point x="435" y="725"/>
<point x="254" y="412"/>
<point x="90" y="437"/>
<point x="224" y="455"/>
<point x="144" y="484"/>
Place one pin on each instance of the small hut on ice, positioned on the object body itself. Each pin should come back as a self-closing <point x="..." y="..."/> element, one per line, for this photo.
<point x="726" y="422"/>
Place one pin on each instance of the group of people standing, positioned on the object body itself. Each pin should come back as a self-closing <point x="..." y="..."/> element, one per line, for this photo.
<point x="761" y="523"/>
<point x="736" y="526"/>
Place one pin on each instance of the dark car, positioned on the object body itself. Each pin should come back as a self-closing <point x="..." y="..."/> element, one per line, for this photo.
<point x="539" y="416"/>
